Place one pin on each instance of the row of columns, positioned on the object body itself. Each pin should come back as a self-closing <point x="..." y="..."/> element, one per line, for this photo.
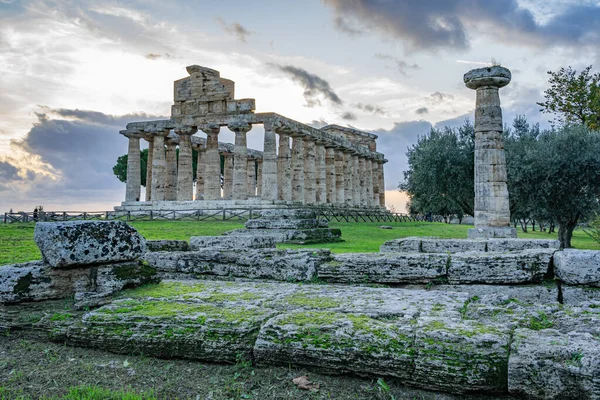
<point x="306" y="171"/>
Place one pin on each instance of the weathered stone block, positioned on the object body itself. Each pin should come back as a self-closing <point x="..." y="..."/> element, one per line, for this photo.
<point x="167" y="245"/>
<point x="198" y="243"/>
<point x="409" y="245"/>
<point x="539" y="294"/>
<point x="384" y="268"/>
<point x="577" y="295"/>
<point x="578" y="267"/>
<point x="452" y="245"/>
<point x="286" y="223"/>
<point x="37" y="281"/>
<point x="296" y="236"/>
<point x="499" y="268"/>
<point x="549" y="365"/>
<point x="507" y="244"/>
<point x="70" y="243"/>
<point x="282" y="213"/>
<point x="488" y="232"/>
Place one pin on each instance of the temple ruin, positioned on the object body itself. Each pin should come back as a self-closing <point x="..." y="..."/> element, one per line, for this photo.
<point x="333" y="166"/>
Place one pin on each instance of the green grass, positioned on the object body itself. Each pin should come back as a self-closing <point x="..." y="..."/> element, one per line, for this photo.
<point x="84" y="393"/>
<point x="17" y="245"/>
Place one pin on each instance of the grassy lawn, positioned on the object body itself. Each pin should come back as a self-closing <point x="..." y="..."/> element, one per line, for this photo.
<point x="17" y="245"/>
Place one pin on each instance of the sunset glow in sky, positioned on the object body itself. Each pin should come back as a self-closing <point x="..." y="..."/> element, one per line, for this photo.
<point x="73" y="73"/>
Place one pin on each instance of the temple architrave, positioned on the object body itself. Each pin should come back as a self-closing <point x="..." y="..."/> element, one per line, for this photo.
<point x="334" y="165"/>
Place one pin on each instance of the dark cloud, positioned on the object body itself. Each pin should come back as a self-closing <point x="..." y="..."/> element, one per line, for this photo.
<point x="343" y="26"/>
<point x="8" y="172"/>
<point x="375" y="110"/>
<point x="440" y="24"/>
<point x="349" y="116"/>
<point x="439" y="97"/>
<point x="401" y="65"/>
<point x="314" y="86"/>
<point x="96" y="117"/>
<point x="236" y="29"/>
<point x="422" y="110"/>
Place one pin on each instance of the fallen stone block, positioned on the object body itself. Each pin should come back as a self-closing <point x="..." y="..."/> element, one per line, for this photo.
<point x="64" y="244"/>
<point x="550" y="365"/>
<point x="295" y="236"/>
<point x="283" y="213"/>
<point x="508" y="244"/>
<point x="37" y="281"/>
<point x="384" y="268"/>
<point x="167" y="245"/>
<point x="578" y="267"/>
<point x="528" y="266"/>
<point x="409" y="245"/>
<point x="452" y="245"/>
<point x="286" y="223"/>
<point x="198" y="243"/>
<point x="535" y="294"/>
<point x="283" y="265"/>
<point x="578" y="295"/>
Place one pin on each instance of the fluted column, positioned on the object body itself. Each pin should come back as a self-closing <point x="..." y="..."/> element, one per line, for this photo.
<point x="227" y="175"/>
<point x="330" y="174"/>
<point x="200" y="171"/>
<point x="150" y="140"/>
<point x="159" y="167"/>
<point x="375" y="177"/>
<point x="133" y="186"/>
<point x="251" y="178"/>
<point x="357" y="173"/>
<point x="339" y="177"/>
<point x="297" y="168"/>
<point x="268" y="180"/>
<point x="310" y="178"/>
<point x="259" y="177"/>
<point x="171" y="159"/>
<point x="240" y="160"/>
<point x="368" y="183"/>
<point x="212" y="179"/>
<point x="185" y="169"/>
<point x="321" y="174"/>
<point x="381" y="186"/>
<point x="284" y="167"/>
<point x="348" y="179"/>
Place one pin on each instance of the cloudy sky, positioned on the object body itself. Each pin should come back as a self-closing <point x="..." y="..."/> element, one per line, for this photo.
<point x="73" y="73"/>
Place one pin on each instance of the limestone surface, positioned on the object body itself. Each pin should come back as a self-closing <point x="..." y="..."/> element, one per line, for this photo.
<point x="578" y="267"/>
<point x="167" y="245"/>
<point x="511" y="244"/>
<point x="286" y="223"/>
<point x="64" y="244"/>
<point x="198" y="243"/>
<point x="296" y="236"/>
<point x="575" y="295"/>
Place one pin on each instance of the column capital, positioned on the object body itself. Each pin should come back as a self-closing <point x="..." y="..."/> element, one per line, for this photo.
<point x="210" y="129"/>
<point x="487" y="77"/>
<point x="241" y="127"/>
<point x="132" y="134"/>
<point x="157" y="132"/>
<point x="185" y="130"/>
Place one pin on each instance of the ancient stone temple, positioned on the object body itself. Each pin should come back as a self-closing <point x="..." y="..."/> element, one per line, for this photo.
<point x="333" y="166"/>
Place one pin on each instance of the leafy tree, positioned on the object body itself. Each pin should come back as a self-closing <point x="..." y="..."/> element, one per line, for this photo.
<point x="440" y="175"/>
<point x="574" y="98"/>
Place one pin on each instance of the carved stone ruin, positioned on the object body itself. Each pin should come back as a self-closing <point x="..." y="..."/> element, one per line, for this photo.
<point x="307" y="173"/>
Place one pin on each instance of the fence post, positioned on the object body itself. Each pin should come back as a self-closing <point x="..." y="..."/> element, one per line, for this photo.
<point x="223" y="214"/>
<point x="151" y="215"/>
<point x="250" y="215"/>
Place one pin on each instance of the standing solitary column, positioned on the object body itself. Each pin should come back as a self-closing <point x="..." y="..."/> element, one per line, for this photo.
<point x="159" y="167"/>
<point x="339" y="177"/>
<point x="150" y="140"/>
<point x="297" y="168"/>
<point x="200" y="173"/>
<point x="171" y="157"/>
<point x="349" y="178"/>
<point x="492" y="213"/>
<point x="251" y="180"/>
<point x="357" y="173"/>
<point x="269" y="165"/>
<point x="185" y="169"/>
<point x="212" y="168"/>
<point x="133" y="187"/>
<point x="330" y="174"/>
<point x="321" y="174"/>
<point x="227" y="175"/>
<point x="240" y="160"/>
<point x="284" y="167"/>
<point x="310" y="178"/>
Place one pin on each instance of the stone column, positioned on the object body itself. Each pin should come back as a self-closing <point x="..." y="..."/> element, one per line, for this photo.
<point x="227" y="175"/>
<point x="185" y="169"/>
<point x="298" y="168"/>
<point x="268" y="181"/>
<point x="381" y="185"/>
<point x="171" y="159"/>
<point x="259" y="178"/>
<point x="200" y="171"/>
<point x="159" y="167"/>
<point x="133" y="187"/>
<point x="240" y="160"/>
<point x="492" y="213"/>
<point x="349" y="178"/>
<point x="150" y="140"/>
<point x="212" y="163"/>
<point x="251" y="176"/>
<point x="357" y="174"/>
<point x="339" y="177"/>
<point x="321" y="173"/>
<point x="330" y="174"/>
<point x="310" y="178"/>
<point x="368" y="183"/>
<point x="284" y="167"/>
<point x="375" y="177"/>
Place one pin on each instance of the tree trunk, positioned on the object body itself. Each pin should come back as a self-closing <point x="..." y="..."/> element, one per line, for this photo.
<point x="533" y="225"/>
<point x="523" y="222"/>
<point x="565" y="233"/>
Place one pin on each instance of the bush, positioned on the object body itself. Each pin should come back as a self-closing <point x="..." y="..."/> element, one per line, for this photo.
<point x="593" y="228"/>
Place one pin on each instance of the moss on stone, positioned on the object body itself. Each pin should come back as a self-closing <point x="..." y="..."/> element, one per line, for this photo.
<point x="304" y="300"/>
<point x="165" y="290"/>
